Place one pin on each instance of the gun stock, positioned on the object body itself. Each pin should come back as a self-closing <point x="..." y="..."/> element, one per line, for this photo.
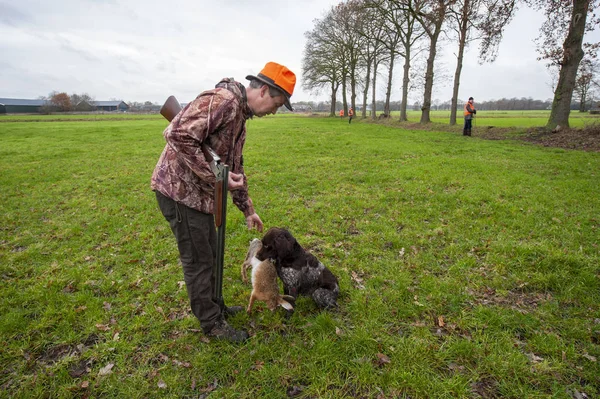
<point x="170" y="108"/>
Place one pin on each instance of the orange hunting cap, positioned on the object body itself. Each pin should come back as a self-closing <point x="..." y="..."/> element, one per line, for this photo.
<point x="279" y="77"/>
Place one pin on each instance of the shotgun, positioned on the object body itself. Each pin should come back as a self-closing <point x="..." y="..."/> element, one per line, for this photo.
<point x="169" y="110"/>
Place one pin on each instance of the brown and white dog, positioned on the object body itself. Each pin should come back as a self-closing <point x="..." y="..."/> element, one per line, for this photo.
<point x="264" y="281"/>
<point x="300" y="271"/>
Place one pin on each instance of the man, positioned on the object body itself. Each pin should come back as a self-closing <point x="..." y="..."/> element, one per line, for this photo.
<point x="350" y="115"/>
<point x="469" y="111"/>
<point x="184" y="183"/>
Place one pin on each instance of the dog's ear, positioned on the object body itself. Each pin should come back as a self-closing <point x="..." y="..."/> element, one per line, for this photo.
<point x="284" y="242"/>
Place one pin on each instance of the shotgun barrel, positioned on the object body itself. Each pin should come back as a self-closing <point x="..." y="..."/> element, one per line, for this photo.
<point x="169" y="110"/>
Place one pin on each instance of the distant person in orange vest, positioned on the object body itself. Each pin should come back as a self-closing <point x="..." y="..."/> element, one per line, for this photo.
<point x="469" y="113"/>
<point x="350" y="114"/>
<point x="341" y="113"/>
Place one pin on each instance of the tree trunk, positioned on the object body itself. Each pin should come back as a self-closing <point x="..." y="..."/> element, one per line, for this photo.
<point x="366" y="90"/>
<point x="333" y="99"/>
<point x="425" y="118"/>
<point x="374" y="103"/>
<point x="583" y="100"/>
<point x="344" y="97"/>
<point x="405" y="83"/>
<point x="353" y="87"/>
<point x="463" y="29"/>
<point x="573" y="53"/>
<point x="439" y="20"/>
<point x="388" y="93"/>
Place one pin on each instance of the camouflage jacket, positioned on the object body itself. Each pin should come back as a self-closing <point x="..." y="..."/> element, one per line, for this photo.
<point x="218" y="118"/>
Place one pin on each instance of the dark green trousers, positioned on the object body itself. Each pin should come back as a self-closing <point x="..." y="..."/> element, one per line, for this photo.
<point x="196" y="237"/>
<point x="467" y="126"/>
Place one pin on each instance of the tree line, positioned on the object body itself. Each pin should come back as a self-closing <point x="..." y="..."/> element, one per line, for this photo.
<point x="63" y="102"/>
<point x="354" y="42"/>
<point x="503" y="104"/>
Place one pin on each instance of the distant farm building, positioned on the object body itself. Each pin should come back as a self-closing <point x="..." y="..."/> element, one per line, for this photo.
<point x="109" y="106"/>
<point x="20" y="106"/>
<point x="302" y="108"/>
<point x="23" y="106"/>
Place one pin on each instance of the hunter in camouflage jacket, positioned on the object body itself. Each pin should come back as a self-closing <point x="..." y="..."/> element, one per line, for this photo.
<point x="218" y="118"/>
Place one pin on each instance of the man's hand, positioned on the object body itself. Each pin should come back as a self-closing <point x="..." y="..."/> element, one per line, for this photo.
<point x="235" y="181"/>
<point x="253" y="221"/>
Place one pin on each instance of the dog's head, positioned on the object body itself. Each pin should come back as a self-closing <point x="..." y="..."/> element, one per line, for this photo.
<point x="278" y="244"/>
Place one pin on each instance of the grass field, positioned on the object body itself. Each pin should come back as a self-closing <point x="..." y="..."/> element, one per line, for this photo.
<point x="468" y="268"/>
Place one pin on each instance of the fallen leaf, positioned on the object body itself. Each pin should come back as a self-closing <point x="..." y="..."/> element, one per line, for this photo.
<point x="339" y="332"/>
<point x="578" y="395"/>
<point x="163" y="358"/>
<point x="137" y="283"/>
<point x="102" y="327"/>
<point x="441" y="321"/>
<point x="534" y="358"/>
<point x="382" y="360"/>
<point x="162" y="385"/>
<point x="258" y="365"/>
<point x="181" y="364"/>
<point x="106" y="306"/>
<point x="106" y="369"/>
<point x="210" y="387"/>
<point x="358" y="281"/>
<point x="85" y="384"/>
<point x="589" y="357"/>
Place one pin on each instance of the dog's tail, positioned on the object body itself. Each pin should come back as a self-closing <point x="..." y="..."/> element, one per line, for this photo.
<point x="284" y="301"/>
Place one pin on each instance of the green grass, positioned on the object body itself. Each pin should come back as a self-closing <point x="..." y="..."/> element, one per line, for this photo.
<point x="468" y="268"/>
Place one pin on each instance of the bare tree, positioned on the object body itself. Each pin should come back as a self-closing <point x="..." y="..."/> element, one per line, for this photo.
<point x="323" y="59"/>
<point x="82" y="102"/>
<point x="391" y="43"/>
<point x="477" y="19"/>
<point x="346" y="17"/>
<point x="59" y="102"/>
<point x="371" y="28"/>
<point x="431" y="14"/>
<point x="561" y="43"/>
<point x="402" y="33"/>
<point x="584" y="84"/>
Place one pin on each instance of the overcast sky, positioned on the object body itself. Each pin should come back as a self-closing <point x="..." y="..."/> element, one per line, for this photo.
<point x="145" y="50"/>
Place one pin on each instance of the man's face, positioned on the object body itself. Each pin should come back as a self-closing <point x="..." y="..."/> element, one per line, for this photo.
<point x="266" y="104"/>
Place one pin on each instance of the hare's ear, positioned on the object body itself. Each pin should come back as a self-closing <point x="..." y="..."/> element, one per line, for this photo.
<point x="284" y="304"/>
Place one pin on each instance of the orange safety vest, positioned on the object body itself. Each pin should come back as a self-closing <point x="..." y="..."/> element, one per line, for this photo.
<point x="465" y="113"/>
<point x="350" y="112"/>
<point x="341" y="112"/>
